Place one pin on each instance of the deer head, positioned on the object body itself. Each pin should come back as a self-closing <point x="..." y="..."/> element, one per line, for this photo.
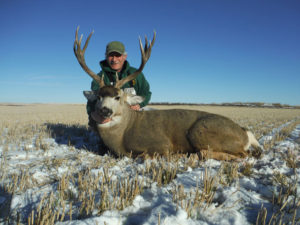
<point x="111" y="100"/>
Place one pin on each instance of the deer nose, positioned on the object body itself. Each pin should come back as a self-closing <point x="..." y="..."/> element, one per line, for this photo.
<point x="105" y="112"/>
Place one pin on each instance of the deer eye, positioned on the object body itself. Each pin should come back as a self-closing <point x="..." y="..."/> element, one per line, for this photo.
<point x="117" y="98"/>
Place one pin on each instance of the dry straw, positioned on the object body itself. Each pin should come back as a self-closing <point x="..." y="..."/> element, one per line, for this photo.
<point x="87" y="191"/>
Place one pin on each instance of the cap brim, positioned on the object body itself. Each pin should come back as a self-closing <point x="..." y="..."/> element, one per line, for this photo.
<point x="114" y="51"/>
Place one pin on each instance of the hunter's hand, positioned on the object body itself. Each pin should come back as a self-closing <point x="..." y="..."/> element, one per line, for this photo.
<point x="135" y="107"/>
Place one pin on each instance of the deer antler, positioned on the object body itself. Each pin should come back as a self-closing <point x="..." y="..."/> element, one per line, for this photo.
<point x="145" y="52"/>
<point x="79" y="53"/>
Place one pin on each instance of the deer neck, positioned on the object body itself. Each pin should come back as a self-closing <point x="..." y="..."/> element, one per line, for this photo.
<point x="113" y="135"/>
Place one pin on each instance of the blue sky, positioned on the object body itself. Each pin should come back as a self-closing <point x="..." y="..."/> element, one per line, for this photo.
<point x="206" y="51"/>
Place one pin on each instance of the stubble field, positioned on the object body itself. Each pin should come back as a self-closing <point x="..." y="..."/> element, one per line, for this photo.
<point x="51" y="172"/>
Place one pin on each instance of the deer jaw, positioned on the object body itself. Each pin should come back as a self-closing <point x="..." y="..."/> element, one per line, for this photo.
<point x="104" y="115"/>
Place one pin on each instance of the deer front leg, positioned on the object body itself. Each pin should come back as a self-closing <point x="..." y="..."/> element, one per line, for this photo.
<point x="207" y="154"/>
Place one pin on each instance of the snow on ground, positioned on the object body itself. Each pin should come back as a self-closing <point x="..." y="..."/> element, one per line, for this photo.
<point x="235" y="202"/>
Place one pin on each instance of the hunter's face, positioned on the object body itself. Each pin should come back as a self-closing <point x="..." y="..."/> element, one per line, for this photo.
<point x="116" y="60"/>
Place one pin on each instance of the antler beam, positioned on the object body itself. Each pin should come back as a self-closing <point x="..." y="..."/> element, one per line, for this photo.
<point x="79" y="53"/>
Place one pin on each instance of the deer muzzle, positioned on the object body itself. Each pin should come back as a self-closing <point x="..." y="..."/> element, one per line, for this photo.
<point x="105" y="112"/>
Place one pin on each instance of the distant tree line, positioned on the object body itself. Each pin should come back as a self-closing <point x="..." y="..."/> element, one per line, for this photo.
<point x="240" y="104"/>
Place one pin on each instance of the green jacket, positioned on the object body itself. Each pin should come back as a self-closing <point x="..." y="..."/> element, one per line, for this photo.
<point x="140" y="84"/>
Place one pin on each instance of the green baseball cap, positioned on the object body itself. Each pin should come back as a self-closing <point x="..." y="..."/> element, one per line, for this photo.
<point x="115" y="46"/>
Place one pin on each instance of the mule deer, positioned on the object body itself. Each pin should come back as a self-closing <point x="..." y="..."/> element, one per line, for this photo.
<point x="128" y="132"/>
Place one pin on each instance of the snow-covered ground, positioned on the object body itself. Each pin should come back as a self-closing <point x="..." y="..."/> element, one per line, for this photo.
<point x="234" y="197"/>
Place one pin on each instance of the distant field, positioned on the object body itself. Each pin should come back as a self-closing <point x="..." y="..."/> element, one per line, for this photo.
<point x="41" y="113"/>
<point x="259" y="120"/>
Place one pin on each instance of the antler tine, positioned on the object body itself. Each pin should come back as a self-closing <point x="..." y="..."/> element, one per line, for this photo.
<point x="79" y="53"/>
<point x="145" y="52"/>
<point x="102" y="84"/>
<point x="87" y="41"/>
<point x="142" y="49"/>
<point x="81" y="36"/>
<point x="151" y="44"/>
<point x="117" y="77"/>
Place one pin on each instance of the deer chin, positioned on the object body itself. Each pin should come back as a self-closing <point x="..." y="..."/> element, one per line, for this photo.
<point x="106" y="122"/>
<point x="99" y="119"/>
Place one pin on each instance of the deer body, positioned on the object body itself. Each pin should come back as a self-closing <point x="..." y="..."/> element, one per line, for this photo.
<point x="128" y="132"/>
<point x="174" y="131"/>
<point x="190" y="132"/>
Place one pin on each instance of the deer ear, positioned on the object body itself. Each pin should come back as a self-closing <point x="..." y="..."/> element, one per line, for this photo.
<point x="90" y="95"/>
<point x="134" y="99"/>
